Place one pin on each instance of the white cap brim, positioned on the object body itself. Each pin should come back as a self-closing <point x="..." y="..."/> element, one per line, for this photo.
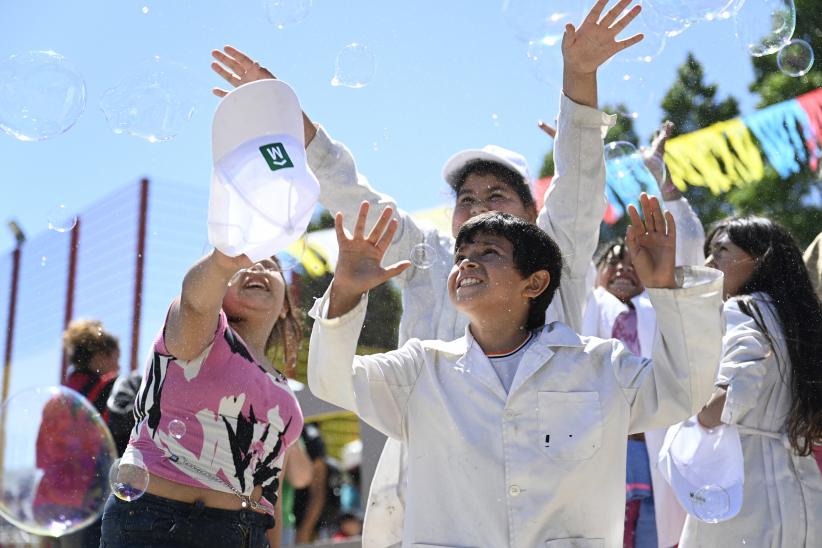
<point x="461" y="158"/>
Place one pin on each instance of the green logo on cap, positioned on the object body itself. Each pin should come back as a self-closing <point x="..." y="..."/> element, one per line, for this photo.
<point x="276" y="156"/>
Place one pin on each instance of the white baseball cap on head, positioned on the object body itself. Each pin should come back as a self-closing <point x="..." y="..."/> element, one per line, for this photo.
<point x="262" y="191"/>
<point x="705" y="469"/>
<point x="491" y="153"/>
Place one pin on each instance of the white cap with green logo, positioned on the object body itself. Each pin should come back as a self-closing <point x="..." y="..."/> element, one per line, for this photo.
<point x="262" y="191"/>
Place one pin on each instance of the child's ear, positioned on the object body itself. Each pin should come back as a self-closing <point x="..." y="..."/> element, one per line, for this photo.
<point x="536" y="283"/>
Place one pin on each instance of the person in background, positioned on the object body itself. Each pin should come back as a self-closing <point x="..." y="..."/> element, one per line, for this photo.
<point x="769" y="386"/>
<point x="120" y="406"/>
<point x="310" y="502"/>
<point x="94" y="356"/>
<point x="298" y="470"/>
<point x="619" y="307"/>
<point x="813" y="261"/>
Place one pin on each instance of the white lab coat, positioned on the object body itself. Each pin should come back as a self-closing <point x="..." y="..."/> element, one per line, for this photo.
<point x="574" y="206"/>
<point x="601" y="312"/>
<point x="782" y="504"/>
<point x="544" y="464"/>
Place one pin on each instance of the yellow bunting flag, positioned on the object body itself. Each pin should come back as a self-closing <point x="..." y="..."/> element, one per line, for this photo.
<point x="718" y="157"/>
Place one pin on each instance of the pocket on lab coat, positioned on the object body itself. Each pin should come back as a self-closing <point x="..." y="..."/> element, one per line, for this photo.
<point x="575" y="543"/>
<point x="571" y="424"/>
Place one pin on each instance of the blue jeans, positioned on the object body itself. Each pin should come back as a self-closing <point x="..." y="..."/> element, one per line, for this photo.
<point x="158" y="522"/>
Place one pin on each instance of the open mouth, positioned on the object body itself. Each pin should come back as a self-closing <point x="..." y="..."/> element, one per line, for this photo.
<point x="468" y="282"/>
<point x="256" y="282"/>
<point x="622" y="283"/>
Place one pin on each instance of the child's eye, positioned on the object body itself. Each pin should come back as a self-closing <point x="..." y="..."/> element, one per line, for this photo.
<point x="497" y="196"/>
<point x="466" y="200"/>
<point x="490" y="251"/>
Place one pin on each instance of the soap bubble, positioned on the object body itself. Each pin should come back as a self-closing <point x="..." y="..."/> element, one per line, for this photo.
<point x="177" y="428"/>
<point x="60" y="218"/>
<point x="710" y="503"/>
<point x="534" y="20"/>
<point x="154" y="103"/>
<point x="423" y="256"/>
<point x="765" y="26"/>
<point x="41" y="95"/>
<point x="795" y="58"/>
<point x="128" y="481"/>
<point x="56" y="454"/>
<point x="692" y="10"/>
<point x="618" y="150"/>
<point x="546" y="61"/>
<point x="285" y="13"/>
<point x="355" y="66"/>
<point x="656" y="167"/>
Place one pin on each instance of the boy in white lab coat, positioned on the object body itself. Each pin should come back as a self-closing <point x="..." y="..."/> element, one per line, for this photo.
<point x="516" y="432"/>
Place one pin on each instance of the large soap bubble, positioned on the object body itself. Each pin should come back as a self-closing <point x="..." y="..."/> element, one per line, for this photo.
<point x="154" y="103"/>
<point x="546" y="61"/>
<point x="765" y="26"/>
<point x="285" y="13"/>
<point x="56" y="455"/>
<point x="41" y="95"/>
<point x="690" y="10"/>
<point x="354" y="67"/>
<point x="534" y="20"/>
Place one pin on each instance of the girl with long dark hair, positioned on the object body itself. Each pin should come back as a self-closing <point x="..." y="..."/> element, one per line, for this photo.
<point x="769" y="386"/>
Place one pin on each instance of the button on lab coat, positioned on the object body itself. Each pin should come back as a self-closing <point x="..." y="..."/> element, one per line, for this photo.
<point x="545" y="462"/>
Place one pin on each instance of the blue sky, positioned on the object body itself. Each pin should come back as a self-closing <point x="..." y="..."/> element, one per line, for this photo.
<point x="450" y="75"/>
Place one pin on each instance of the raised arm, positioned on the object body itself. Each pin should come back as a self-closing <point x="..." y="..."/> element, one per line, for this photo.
<point x="342" y="187"/>
<point x="193" y="317"/>
<point x="678" y="380"/>
<point x="575" y="203"/>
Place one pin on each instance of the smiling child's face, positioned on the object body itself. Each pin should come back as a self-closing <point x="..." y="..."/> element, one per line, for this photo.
<point x="483" y="193"/>
<point x="484" y="279"/>
<point x="618" y="277"/>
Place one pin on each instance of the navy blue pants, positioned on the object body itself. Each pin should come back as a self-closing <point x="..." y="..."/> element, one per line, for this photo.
<point x="158" y="522"/>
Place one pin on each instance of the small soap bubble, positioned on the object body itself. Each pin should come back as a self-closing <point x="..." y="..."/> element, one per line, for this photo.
<point x="55" y="457"/>
<point x="795" y="58"/>
<point x="710" y="503"/>
<point x="128" y="481"/>
<point x="154" y="103"/>
<point x="354" y="67"/>
<point x="145" y="10"/>
<point x="694" y="10"/>
<point x="495" y="119"/>
<point x="423" y="256"/>
<point x="43" y="261"/>
<point x="177" y="428"/>
<point x="765" y="26"/>
<point x="43" y="95"/>
<point x="286" y="13"/>
<point x="60" y="219"/>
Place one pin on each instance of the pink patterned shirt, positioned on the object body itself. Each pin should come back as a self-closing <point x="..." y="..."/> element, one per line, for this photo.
<point x="221" y="412"/>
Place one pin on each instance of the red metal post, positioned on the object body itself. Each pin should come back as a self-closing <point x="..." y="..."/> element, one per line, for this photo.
<point x="15" y="275"/>
<point x="138" y="273"/>
<point x="74" y="247"/>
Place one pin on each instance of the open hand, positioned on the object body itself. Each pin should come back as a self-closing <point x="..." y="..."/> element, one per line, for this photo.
<point x="657" y="150"/>
<point x="549" y="130"/>
<point x="359" y="265"/>
<point x="237" y="69"/>
<point x="652" y="244"/>
<point x="586" y="48"/>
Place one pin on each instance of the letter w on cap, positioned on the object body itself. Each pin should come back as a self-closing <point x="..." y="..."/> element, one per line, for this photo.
<point x="276" y="156"/>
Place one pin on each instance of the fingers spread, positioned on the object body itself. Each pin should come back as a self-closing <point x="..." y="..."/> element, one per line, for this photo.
<point x="636" y="222"/>
<point x="238" y="55"/>
<point x="614" y="12"/>
<point x="379" y="227"/>
<point x="228" y="61"/>
<point x="388" y="236"/>
<point x="669" y="219"/>
<point x="628" y="42"/>
<point x="626" y="19"/>
<point x="229" y="77"/>
<point x="596" y="11"/>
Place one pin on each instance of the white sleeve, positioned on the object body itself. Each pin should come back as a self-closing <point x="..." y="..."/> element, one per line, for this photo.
<point x="678" y="380"/>
<point x="690" y="236"/>
<point x="375" y="387"/>
<point x="575" y="202"/>
<point x="742" y="369"/>
<point x="343" y="188"/>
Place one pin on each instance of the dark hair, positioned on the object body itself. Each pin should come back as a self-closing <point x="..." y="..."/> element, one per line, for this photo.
<point x="534" y="250"/>
<point x="780" y="272"/>
<point x="84" y="339"/>
<point x="505" y="174"/>
<point x="613" y="249"/>
<point x="284" y="340"/>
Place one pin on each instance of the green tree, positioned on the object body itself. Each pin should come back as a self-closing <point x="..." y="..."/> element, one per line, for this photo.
<point x="794" y="202"/>
<point x="692" y="104"/>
